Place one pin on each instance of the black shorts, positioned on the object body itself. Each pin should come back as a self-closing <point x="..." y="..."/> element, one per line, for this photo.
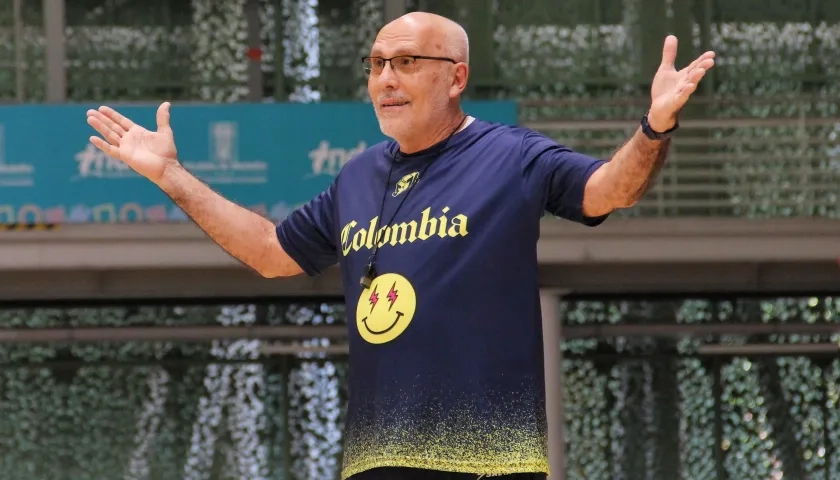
<point x="401" y="473"/>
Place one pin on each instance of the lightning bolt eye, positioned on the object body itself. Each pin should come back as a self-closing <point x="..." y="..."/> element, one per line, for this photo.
<point x="392" y="295"/>
<point x="374" y="297"/>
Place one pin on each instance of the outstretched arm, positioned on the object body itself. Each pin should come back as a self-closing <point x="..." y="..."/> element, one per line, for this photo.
<point x="245" y="235"/>
<point x="622" y="181"/>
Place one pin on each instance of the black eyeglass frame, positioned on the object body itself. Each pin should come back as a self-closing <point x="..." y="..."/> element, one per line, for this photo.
<point x="415" y="57"/>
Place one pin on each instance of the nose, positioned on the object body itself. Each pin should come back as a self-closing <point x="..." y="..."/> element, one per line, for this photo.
<point x="387" y="77"/>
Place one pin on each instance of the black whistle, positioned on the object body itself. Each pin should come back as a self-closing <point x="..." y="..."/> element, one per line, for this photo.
<point x="367" y="278"/>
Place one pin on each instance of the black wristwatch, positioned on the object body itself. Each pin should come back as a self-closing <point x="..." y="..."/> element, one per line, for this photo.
<point x="654" y="135"/>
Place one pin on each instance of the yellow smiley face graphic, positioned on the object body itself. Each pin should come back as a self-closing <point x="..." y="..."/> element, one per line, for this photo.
<point x="385" y="309"/>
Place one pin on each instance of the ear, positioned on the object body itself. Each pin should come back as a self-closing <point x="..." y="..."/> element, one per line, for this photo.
<point x="459" y="80"/>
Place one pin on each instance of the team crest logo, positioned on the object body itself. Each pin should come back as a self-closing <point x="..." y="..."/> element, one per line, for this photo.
<point x="406" y="182"/>
<point x="385" y="309"/>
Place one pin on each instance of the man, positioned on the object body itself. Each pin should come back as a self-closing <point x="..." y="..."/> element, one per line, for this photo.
<point x="435" y="233"/>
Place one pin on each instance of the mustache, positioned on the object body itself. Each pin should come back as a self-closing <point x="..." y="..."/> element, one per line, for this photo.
<point x="391" y="98"/>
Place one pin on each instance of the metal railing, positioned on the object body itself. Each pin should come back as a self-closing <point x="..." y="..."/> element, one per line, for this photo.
<point x="749" y="157"/>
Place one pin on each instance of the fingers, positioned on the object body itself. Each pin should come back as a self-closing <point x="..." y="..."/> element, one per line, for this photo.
<point x="669" y="52"/>
<point x="689" y="85"/>
<point x="105" y="126"/>
<point x="685" y="93"/>
<point x="705" y="61"/>
<point x="116" y="117"/>
<point x="106" y="147"/>
<point x="163" y="116"/>
<point x="695" y="75"/>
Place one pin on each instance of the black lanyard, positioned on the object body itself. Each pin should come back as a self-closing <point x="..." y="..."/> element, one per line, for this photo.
<point x="370" y="269"/>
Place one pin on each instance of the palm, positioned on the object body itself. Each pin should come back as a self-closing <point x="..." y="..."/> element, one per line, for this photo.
<point x="148" y="153"/>
<point x="143" y="150"/>
<point x="671" y="88"/>
<point x="665" y="83"/>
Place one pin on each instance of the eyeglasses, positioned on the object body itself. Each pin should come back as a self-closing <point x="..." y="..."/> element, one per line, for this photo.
<point x="400" y="64"/>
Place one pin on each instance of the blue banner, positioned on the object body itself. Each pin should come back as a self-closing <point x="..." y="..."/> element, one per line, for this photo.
<point x="270" y="158"/>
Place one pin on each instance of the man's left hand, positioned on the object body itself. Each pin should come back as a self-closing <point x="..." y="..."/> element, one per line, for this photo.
<point x="672" y="88"/>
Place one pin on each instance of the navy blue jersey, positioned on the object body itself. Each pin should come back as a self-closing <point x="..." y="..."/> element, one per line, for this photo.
<point x="446" y="352"/>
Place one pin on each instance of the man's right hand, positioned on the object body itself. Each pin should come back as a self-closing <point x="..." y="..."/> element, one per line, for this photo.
<point x="147" y="153"/>
<point x="245" y="235"/>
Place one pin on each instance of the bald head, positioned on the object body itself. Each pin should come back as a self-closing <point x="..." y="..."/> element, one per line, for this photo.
<point x="416" y="94"/>
<point x="447" y="37"/>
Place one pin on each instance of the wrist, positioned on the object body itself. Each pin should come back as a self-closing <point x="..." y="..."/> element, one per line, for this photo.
<point x="169" y="175"/>
<point x="654" y="133"/>
<point x="660" y="123"/>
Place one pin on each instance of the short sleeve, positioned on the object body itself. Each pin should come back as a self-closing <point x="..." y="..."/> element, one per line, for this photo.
<point x="556" y="176"/>
<point x="308" y="233"/>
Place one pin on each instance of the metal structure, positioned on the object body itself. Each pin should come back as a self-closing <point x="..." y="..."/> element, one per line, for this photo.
<point x="761" y="139"/>
<point x="781" y="164"/>
<point x="643" y="256"/>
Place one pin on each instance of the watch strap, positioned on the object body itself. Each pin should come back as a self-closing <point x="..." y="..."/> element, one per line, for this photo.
<point x="653" y="134"/>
